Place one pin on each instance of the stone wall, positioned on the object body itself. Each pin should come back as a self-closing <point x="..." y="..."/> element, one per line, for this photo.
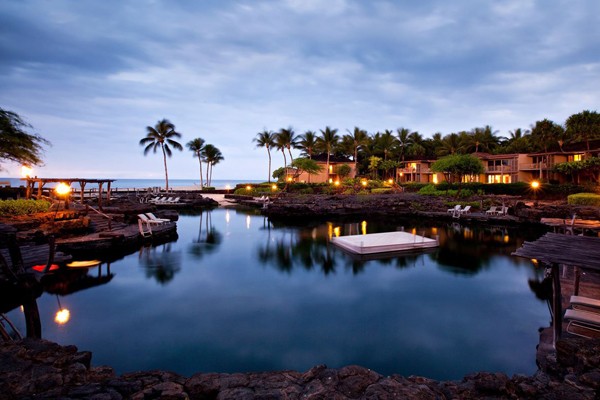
<point x="44" y="370"/>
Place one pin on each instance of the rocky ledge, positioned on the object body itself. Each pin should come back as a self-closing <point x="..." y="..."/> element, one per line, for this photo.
<point x="39" y="369"/>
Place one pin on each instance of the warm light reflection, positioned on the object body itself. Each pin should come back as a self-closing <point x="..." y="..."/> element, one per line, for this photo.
<point x="434" y="231"/>
<point x="337" y="231"/>
<point x="363" y="227"/>
<point x="62" y="316"/>
<point x="247" y="222"/>
<point x="329" y="230"/>
<point x="62" y="189"/>
<point x="468" y="233"/>
<point x="506" y="238"/>
<point x="227" y="217"/>
<point x="413" y="231"/>
<point x="26" y="171"/>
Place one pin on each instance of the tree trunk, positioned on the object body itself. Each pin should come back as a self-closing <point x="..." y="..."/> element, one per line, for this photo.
<point x="166" y="173"/>
<point x="269" y="177"/>
<point x="200" y="162"/>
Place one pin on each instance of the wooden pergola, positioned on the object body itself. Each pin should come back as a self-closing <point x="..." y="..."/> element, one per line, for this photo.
<point x="553" y="250"/>
<point x="31" y="182"/>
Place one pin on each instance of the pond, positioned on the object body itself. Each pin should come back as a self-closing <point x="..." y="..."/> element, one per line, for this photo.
<point x="237" y="292"/>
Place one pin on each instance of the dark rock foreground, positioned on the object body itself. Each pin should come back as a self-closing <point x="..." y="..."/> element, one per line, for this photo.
<point x="39" y="369"/>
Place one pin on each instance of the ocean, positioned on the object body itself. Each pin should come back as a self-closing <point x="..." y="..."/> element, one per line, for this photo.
<point x="146" y="183"/>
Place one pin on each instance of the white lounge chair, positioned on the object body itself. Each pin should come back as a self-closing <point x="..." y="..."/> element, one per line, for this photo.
<point x="503" y="210"/>
<point x="144" y="232"/>
<point x="583" y="321"/>
<point x="153" y="217"/>
<point x="465" y="210"/>
<point x="148" y="221"/>
<point x="585" y="303"/>
<point x="455" y="209"/>
<point x="492" y="210"/>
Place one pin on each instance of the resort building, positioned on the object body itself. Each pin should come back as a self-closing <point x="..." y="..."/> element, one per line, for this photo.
<point x="332" y="175"/>
<point x="504" y="168"/>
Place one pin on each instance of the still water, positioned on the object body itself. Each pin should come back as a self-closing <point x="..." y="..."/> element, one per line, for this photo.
<point x="237" y="292"/>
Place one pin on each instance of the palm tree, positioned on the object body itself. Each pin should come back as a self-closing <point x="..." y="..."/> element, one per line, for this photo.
<point x="417" y="144"/>
<point x="286" y="138"/>
<point x="266" y="139"/>
<point x="584" y="126"/>
<point x="212" y="156"/>
<point x="307" y="143"/>
<point x="358" y="138"/>
<point x="403" y="140"/>
<point x="387" y="143"/>
<point x="197" y="146"/>
<point x="450" y="145"/>
<point x="327" y="141"/>
<point x="161" y="136"/>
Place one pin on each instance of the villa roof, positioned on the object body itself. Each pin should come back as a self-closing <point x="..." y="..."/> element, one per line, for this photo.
<point x="332" y="158"/>
<point x="554" y="248"/>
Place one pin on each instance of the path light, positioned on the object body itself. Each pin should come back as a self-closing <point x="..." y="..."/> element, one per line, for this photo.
<point x="274" y="187"/>
<point x="535" y="185"/>
<point x="364" y="182"/>
<point x="26" y="171"/>
<point x="248" y="187"/>
<point x="337" y="183"/>
<point x="390" y="181"/>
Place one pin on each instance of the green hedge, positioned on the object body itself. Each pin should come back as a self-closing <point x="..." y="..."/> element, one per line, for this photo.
<point x="10" y="208"/>
<point x="584" y="199"/>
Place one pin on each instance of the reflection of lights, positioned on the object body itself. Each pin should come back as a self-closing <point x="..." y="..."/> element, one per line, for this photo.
<point x="434" y="231"/>
<point x="62" y="316"/>
<point x="413" y="231"/>
<point x="227" y="218"/>
<point x="506" y="238"/>
<point x="22" y="309"/>
<point x="336" y="231"/>
<point x="62" y="189"/>
<point x="247" y="222"/>
<point x="468" y="233"/>
<point x="314" y="233"/>
<point x="363" y="227"/>
<point x="329" y="230"/>
<point x="26" y="171"/>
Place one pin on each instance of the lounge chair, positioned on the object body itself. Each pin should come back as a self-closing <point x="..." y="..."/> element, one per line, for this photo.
<point x="157" y="200"/>
<point x="144" y="232"/>
<point x="153" y="217"/>
<point x="148" y="221"/>
<point x="173" y="200"/>
<point x="503" y="210"/>
<point x="492" y="210"/>
<point x="465" y="210"/>
<point x="585" y="303"/>
<point x="583" y="321"/>
<point x="454" y="210"/>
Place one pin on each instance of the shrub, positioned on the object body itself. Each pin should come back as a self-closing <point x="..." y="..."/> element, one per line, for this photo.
<point x="584" y="199"/>
<point x="22" y="207"/>
<point x="381" y="190"/>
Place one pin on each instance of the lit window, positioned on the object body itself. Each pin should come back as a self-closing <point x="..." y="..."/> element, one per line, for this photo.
<point x="577" y="157"/>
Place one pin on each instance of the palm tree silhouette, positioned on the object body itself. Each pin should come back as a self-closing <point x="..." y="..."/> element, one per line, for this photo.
<point x="197" y="146"/>
<point x="160" y="136"/>
<point x="212" y="156"/>
<point x="266" y="139"/>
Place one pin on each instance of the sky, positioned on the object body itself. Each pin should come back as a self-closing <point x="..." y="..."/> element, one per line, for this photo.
<point x="90" y="76"/>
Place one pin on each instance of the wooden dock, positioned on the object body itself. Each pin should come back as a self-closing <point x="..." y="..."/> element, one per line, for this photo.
<point x="387" y="242"/>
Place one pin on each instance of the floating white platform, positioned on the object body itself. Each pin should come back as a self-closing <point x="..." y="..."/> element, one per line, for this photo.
<point x="374" y="243"/>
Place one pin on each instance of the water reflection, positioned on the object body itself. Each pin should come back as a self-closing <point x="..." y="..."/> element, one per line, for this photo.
<point x="160" y="262"/>
<point x="209" y="238"/>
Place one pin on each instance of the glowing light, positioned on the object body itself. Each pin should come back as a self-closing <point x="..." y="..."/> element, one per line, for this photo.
<point x="26" y="171"/>
<point x="329" y="230"/>
<point x="363" y="227"/>
<point x="337" y="231"/>
<point x="435" y="179"/>
<point x="62" y="189"/>
<point x="227" y="216"/>
<point x="401" y="173"/>
<point x="289" y="179"/>
<point x="506" y="238"/>
<point x="227" y="187"/>
<point x="363" y="182"/>
<point x="330" y="180"/>
<point x="248" y="187"/>
<point x="390" y="181"/>
<point x="337" y="183"/>
<point x="247" y="222"/>
<point x="62" y="316"/>
<point x="274" y="187"/>
<point x="434" y="231"/>
<point x="535" y="185"/>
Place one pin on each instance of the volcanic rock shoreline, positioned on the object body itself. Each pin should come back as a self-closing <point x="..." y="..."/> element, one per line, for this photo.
<point x="40" y="369"/>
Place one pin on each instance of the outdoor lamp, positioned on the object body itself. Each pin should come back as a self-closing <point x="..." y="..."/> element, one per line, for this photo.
<point x="26" y="171"/>
<point x="62" y="315"/>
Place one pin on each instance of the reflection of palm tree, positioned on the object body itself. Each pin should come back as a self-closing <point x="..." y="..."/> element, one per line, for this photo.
<point x="207" y="241"/>
<point x="162" y="265"/>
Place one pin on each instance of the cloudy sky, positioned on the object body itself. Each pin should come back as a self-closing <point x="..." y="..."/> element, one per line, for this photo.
<point x="89" y="76"/>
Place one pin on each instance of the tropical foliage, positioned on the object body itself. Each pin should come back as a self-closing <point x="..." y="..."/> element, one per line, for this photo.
<point x="9" y="208"/>
<point x="16" y="145"/>
<point x="584" y="199"/>
<point x="456" y="167"/>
